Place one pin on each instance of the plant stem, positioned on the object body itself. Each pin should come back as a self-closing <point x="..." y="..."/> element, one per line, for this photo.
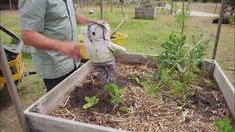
<point x="183" y="17"/>
<point x="172" y="4"/>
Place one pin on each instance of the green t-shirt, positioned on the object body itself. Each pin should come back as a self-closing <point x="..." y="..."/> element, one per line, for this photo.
<point x="55" y="20"/>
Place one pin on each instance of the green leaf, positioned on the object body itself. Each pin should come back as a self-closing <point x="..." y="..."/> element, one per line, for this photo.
<point x="150" y="90"/>
<point x="158" y="74"/>
<point x="116" y="100"/>
<point x="86" y="106"/>
<point x="87" y="99"/>
<point x="169" y="61"/>
<point x="180" y="68"/>
<point x="90" y="101"/>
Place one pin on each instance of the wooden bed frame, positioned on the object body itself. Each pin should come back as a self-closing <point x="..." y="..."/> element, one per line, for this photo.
<point x="39" y="120"/>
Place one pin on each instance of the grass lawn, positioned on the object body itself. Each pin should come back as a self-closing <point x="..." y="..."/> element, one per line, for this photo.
<point x="144" y="36"/>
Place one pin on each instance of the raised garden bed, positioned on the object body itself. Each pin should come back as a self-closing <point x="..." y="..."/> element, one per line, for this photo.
<point x="145" y="13"/>
<point x="61" y="108"/>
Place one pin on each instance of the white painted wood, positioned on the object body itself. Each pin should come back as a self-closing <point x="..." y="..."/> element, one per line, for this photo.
<point x="45" y="123"/>
<point x="58" y="94"/>
<point x="226" y="88"/>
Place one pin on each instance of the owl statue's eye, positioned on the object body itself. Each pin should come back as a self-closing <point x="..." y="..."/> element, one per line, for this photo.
<point x="93" y="33"/>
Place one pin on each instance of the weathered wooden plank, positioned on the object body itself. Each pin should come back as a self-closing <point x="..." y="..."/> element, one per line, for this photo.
<point x="57" y="95"/>
<point x="145" y="12"/>
<point x="226" y="88"/>
<point x="136" y="58"/>
<point x="209" y="66"/>
<point x="145" y="9"/>
<point x="144" y="17"/>
<point x="45" y="123"/>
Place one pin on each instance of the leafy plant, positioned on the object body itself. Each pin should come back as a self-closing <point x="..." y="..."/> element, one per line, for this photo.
<point x="177" y="64"/>
<point x="115" y="92"/>
<point x="224" y="125"/>
<point x="172" y="51"/>
<point x="90" y="101"/>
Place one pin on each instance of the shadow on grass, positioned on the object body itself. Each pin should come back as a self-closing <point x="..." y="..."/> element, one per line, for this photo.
<point x="5" y="99"/>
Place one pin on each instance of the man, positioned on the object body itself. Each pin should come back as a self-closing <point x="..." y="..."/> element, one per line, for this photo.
<point x="50" y="27"/>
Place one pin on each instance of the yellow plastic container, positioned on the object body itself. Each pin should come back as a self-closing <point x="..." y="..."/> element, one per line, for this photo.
<point x="17" y="69"/>
<point x="118" y="38"/>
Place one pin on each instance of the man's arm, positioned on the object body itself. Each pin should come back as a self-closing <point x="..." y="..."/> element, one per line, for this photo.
<point x="82" y="20"/>
<point x="85" y="21"/>
<point x="39" y="41"/>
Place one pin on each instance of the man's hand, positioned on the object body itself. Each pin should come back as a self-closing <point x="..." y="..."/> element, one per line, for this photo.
<point x="99" y="22"/>
<point x="42" y="42"/>
<point x="70" y="49"/>
<point x="85" y="21"/>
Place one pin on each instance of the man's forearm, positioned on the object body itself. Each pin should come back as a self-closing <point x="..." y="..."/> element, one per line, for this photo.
<point x="82" y="20"/>
<point x="39" y="41"/>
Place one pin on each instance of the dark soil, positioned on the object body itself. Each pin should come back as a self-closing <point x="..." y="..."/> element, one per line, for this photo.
<point x="202" y="105"/>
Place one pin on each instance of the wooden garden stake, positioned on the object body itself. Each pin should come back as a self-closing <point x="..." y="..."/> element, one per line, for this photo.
<point x="101" y="10"/>
<point x="12" y="89"/>
<point x="221" y="17"/>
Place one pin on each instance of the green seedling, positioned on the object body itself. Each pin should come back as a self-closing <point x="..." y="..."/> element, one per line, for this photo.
<point x="90" y="101"/>
<point x="115" y="92"/>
